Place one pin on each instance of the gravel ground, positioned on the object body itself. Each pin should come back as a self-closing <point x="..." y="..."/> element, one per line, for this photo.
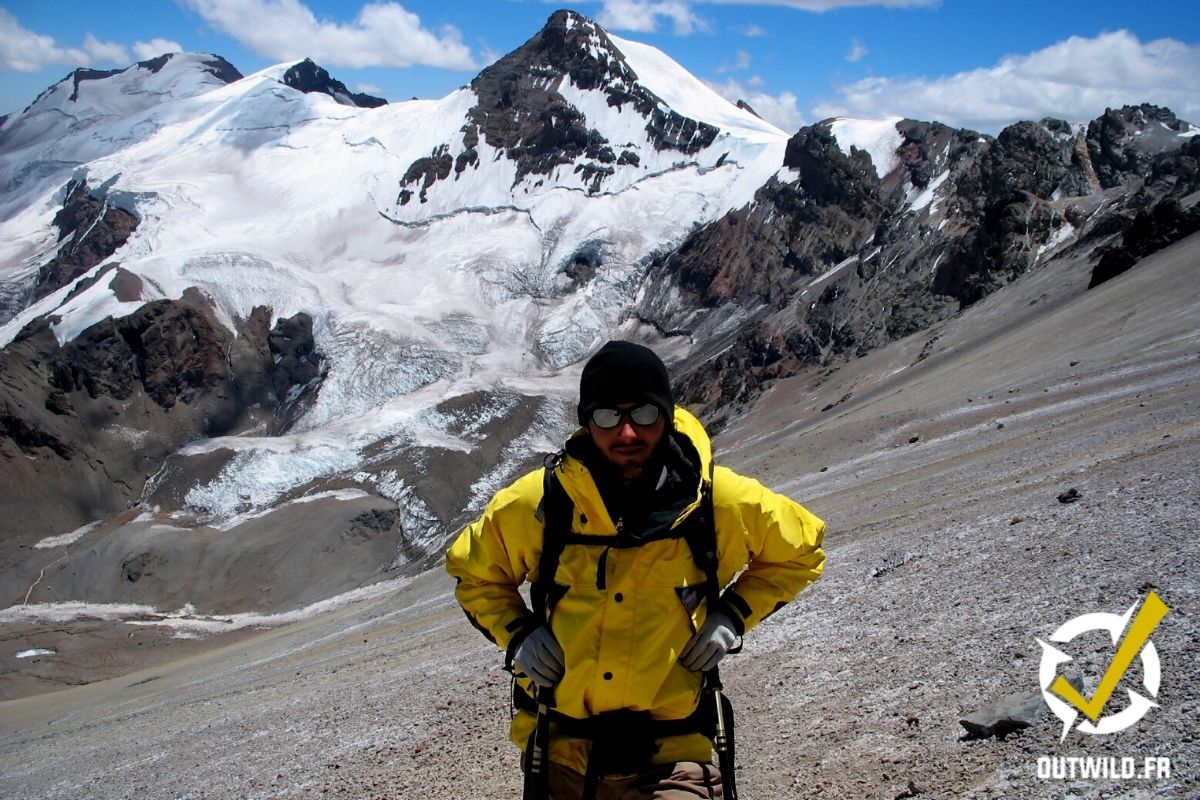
<point x="940" y="466"/>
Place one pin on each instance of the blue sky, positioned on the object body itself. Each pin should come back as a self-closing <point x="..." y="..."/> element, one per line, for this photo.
<point x="977" y="64"/>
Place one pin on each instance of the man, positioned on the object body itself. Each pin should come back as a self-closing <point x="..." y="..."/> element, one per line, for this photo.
<point x="629" y="622"/>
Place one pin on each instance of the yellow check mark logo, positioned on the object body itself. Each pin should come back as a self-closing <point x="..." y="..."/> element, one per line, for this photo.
<point x="1147" y="619"/>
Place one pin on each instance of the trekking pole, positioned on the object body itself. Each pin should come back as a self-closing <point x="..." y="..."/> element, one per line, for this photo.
<point x="537" y="771"/>
<point x="723" y="741"/>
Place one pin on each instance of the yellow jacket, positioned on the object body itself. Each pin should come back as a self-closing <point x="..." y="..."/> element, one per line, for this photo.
<point x="621" y="642"/>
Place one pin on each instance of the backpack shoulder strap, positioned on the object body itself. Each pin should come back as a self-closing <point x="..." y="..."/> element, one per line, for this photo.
<point x="701" y="537"/>
<point x="557" y="512"/>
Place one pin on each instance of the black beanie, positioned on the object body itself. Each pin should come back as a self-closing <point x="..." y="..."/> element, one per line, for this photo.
<point x="624" y="372"/>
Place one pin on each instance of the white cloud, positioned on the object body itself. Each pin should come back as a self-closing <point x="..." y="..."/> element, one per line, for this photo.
<point x="857" y="51"/>
<point x="155" y="48"/>
<point x="829" y="5"/>
<point x="104" y="52"/>
<point x="382" y="35"/>
<point x="369" y="88"/>
<point x="23" y="50"/>
<point x="780" y="110"/>
<point x="1075" y="79"/>
<point x="741" y="63"/>
<point x="641" y="16"/>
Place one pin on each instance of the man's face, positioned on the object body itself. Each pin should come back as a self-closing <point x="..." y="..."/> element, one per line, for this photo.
<point x="628" y="446"/>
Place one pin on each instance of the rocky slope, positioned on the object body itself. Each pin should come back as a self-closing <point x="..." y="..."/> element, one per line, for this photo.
<point x="946" y="466"/>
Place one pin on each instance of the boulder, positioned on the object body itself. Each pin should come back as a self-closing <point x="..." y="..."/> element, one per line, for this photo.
<point x="1008" y="714"/>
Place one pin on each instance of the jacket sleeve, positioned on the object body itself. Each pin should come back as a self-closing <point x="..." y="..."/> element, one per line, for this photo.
<point x="775" y="539"/>
<point x="493" y="556"/>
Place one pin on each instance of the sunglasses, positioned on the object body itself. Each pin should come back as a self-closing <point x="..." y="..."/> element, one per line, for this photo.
<point x="642" y="416"/>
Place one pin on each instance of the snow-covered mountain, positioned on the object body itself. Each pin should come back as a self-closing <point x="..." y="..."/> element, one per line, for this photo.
<point x="232" y="295"/>
<point x="260" y="307"/>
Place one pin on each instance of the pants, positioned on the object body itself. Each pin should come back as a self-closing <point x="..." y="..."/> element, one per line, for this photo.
<point x="686" y="780"/>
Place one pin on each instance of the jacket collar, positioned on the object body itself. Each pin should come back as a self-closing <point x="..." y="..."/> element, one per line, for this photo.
<point x="668" y="499"/>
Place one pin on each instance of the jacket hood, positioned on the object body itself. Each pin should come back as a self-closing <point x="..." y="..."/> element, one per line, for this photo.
<point x="691" y="428"/>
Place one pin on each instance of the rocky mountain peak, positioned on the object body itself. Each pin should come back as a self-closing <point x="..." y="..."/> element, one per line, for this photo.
<point x="309" y="77"/>
<point x="219" y="68"/>
<point x="86" y="97"/>
<point x="524" y="110"/>
<point x="213" y="65"/>
<point x="571" y="44"/>
<point x="1129" y="140"/>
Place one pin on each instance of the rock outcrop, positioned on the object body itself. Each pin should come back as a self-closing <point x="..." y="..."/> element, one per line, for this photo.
<point x="90" y="229"/>
<point x="1128" y="140"/>
<point x="1007" y="715"/>
<point x="309" y="77"/>
<point x="85" y="424"/>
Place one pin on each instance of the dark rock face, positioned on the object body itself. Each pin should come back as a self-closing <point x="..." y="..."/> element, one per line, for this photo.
<point x="522" y="113"/>
<point x="308" y="77"/>
<point x="293" y="353"/>
<point x="1031" y="158"/>
<point x="840" y="260"/>
<point x="929" y="148"/>
<point x="175" y="352"/>
<point x="1177" y="172"/>
<point x="90" y="230"/>
<point x="170" y="350"/>
<point x="221" y="69"/>
<point x="827" y="176"/>
<point x="426" y="172"/>
<point x="84" y="74"/>
<point x="1004" y="199"/>
<point x="1149" y="232"/>
<point x="83" y="426"/>
<point x="1124" y="141"/>
<point x="792" y="231"/>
